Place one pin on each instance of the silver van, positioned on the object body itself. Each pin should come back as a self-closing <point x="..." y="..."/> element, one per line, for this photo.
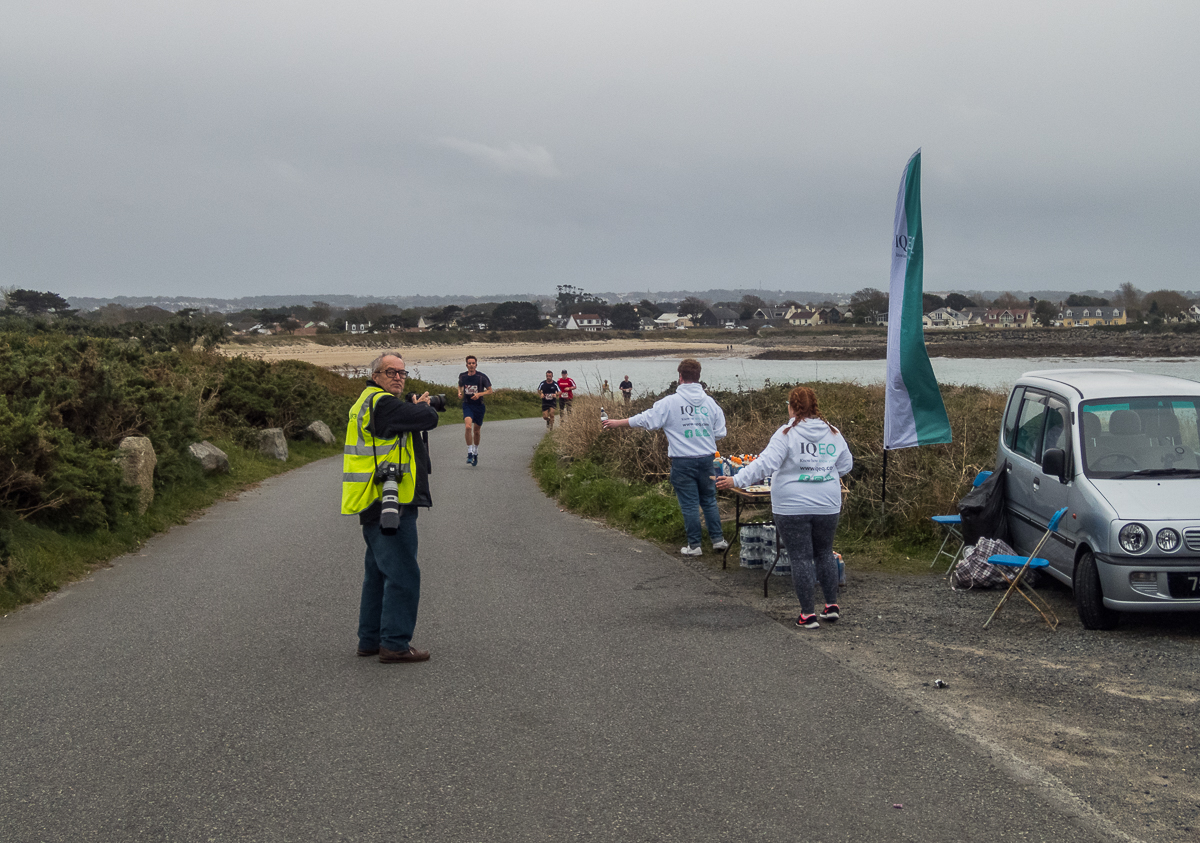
<point x="1122" y="452"/>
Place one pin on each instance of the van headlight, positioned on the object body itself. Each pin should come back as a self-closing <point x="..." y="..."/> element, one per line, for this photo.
<point x="1133" y="538"/>
<point x="1167" y="539"/>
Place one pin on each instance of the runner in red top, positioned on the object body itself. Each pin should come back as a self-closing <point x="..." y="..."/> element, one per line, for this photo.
<point x="566" y="391"/>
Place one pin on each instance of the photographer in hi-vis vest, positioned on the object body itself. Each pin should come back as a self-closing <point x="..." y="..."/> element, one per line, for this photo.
<point x="385" y="478"/>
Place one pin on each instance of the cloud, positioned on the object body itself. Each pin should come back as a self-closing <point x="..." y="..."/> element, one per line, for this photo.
<point x="515" y="158"/>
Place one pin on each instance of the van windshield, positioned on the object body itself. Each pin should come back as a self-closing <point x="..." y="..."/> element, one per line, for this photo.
<point x="1148" y="438"/>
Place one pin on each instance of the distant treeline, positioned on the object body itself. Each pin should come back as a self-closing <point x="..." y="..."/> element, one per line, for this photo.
<point x="347" y="302"/>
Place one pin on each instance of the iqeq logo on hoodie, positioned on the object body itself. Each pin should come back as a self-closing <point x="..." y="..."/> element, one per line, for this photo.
<point x="815" y="449"/>
<point x="689" y="410"/>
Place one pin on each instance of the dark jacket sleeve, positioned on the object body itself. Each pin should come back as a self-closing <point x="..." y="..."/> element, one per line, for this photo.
<point x="393" y="416"/>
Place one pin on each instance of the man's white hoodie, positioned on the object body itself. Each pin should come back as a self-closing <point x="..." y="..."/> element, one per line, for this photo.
<point x="806" y="464"/>
<point x="691" y="419"/>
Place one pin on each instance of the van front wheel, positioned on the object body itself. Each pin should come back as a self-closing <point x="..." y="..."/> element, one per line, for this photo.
<point x="1089" y="598"/>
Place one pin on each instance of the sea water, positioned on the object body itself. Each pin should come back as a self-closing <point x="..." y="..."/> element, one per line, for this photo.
<point x="656" y="374"/>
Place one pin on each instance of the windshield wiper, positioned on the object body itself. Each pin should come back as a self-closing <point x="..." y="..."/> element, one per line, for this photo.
<point x="1159" y="472"/>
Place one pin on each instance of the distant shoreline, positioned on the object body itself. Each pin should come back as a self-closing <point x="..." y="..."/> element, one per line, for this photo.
<point x="851" y="345"/>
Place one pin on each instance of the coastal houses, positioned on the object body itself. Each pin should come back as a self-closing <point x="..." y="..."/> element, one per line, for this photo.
<point x="1086" y="317"/>
<point x="999" y="318"/>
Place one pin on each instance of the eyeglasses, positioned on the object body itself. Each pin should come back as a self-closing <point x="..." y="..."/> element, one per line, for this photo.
<point x="393" y="373"/>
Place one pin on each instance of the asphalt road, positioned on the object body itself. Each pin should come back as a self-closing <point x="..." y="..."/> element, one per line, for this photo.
<point x="584" y="685"/>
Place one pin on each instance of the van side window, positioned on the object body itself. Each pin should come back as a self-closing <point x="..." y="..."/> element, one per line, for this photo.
<point x="1010" y="416"/>
<point x="1030" y="423"/>
<point x="1058" y="432"/>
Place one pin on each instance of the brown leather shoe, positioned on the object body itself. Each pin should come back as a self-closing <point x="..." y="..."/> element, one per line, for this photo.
<point x="374" y="652"/>
<point x="412" y="654"/>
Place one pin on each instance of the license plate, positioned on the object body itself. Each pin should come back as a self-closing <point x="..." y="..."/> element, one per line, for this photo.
<point x="1184" y="583"/>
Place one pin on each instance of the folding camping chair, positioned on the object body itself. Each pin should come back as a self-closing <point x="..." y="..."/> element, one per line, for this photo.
<point x="1023" y="564"/>
<point x="952" y="524"/>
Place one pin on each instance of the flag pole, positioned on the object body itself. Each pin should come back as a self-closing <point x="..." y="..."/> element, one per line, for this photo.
<point x="884" y="501"/>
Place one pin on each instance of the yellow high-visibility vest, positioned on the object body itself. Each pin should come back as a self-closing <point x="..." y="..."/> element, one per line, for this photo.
<point x="364" y="455"/>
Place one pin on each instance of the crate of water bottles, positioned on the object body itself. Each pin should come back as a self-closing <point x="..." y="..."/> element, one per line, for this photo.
<point x="757" y="541"/>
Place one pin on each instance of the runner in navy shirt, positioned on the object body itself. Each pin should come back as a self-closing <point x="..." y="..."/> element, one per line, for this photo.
<point x="549" y="389"/>
<point x="472" y="386"/>
<point x="626" y="388"/>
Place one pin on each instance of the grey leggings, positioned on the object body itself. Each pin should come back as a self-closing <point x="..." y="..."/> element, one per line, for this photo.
<point x="809" y="543"/>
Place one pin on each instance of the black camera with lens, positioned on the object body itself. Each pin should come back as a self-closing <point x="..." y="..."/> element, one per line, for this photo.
<point x="389" y="505"/>
<point x="438" y="402"/>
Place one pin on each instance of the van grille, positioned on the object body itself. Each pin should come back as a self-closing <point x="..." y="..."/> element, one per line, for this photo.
<point x="1191" y="537"/>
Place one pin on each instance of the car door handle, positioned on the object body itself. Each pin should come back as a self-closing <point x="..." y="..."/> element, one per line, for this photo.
<point x="1037" y="484"/>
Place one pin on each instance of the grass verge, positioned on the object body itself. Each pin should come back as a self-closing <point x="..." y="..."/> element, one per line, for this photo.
<point x="621" y="475"/>
<point x="649" y="510"/>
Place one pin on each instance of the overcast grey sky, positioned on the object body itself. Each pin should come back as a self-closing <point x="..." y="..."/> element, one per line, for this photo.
<point x="239" y="148"/>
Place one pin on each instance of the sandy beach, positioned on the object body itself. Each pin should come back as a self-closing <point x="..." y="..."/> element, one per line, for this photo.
<point x="418" y="354"/>
<point x="849" y="344"/>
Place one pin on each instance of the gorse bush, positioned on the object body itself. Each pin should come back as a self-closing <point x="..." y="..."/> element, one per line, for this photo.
<point x="67" y="401"/>
<point x="65" y="404"/>
<point x="288" y="394"/>
<point x="184" y="329"/>
<point x="921" y="482"/>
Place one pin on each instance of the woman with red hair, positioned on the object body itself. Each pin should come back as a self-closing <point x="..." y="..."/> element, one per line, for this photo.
<point x="805" y="460"/>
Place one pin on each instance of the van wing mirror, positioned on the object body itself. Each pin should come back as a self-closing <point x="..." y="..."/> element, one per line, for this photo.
<point x="1054" y="463"/>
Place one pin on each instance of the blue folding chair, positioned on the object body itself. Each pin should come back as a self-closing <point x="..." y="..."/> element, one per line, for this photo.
<point x="952" y="524"/>
<point x="1023" y="564"/>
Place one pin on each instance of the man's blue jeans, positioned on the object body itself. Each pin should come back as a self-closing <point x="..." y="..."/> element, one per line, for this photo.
<point x="391" y="586"/>
<point x="696" y="490"/>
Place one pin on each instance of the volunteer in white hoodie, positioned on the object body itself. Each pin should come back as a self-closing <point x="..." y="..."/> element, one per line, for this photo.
<point x="805" y="460"/>
<point x="693" y="423"/>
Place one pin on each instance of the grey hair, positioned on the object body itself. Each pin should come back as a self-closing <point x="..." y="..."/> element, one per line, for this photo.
<point x="379" y="360"/>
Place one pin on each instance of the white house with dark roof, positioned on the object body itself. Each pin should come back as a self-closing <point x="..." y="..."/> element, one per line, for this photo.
<point x="586" y="322"/>
<point x="946" y="317"/>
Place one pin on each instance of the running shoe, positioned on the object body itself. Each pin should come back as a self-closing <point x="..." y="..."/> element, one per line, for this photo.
<point x="470" y="461"/>
<point x="688" y="550"/>
<point x="807" y="621"/>
<point x="721" y="545"/>
<point x="830" y="613"/>
<point x="475" y="458"/>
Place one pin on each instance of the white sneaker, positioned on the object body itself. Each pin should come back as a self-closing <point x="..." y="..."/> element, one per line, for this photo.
<point x="721" y="545"/>
<point x="688" y="550"/>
